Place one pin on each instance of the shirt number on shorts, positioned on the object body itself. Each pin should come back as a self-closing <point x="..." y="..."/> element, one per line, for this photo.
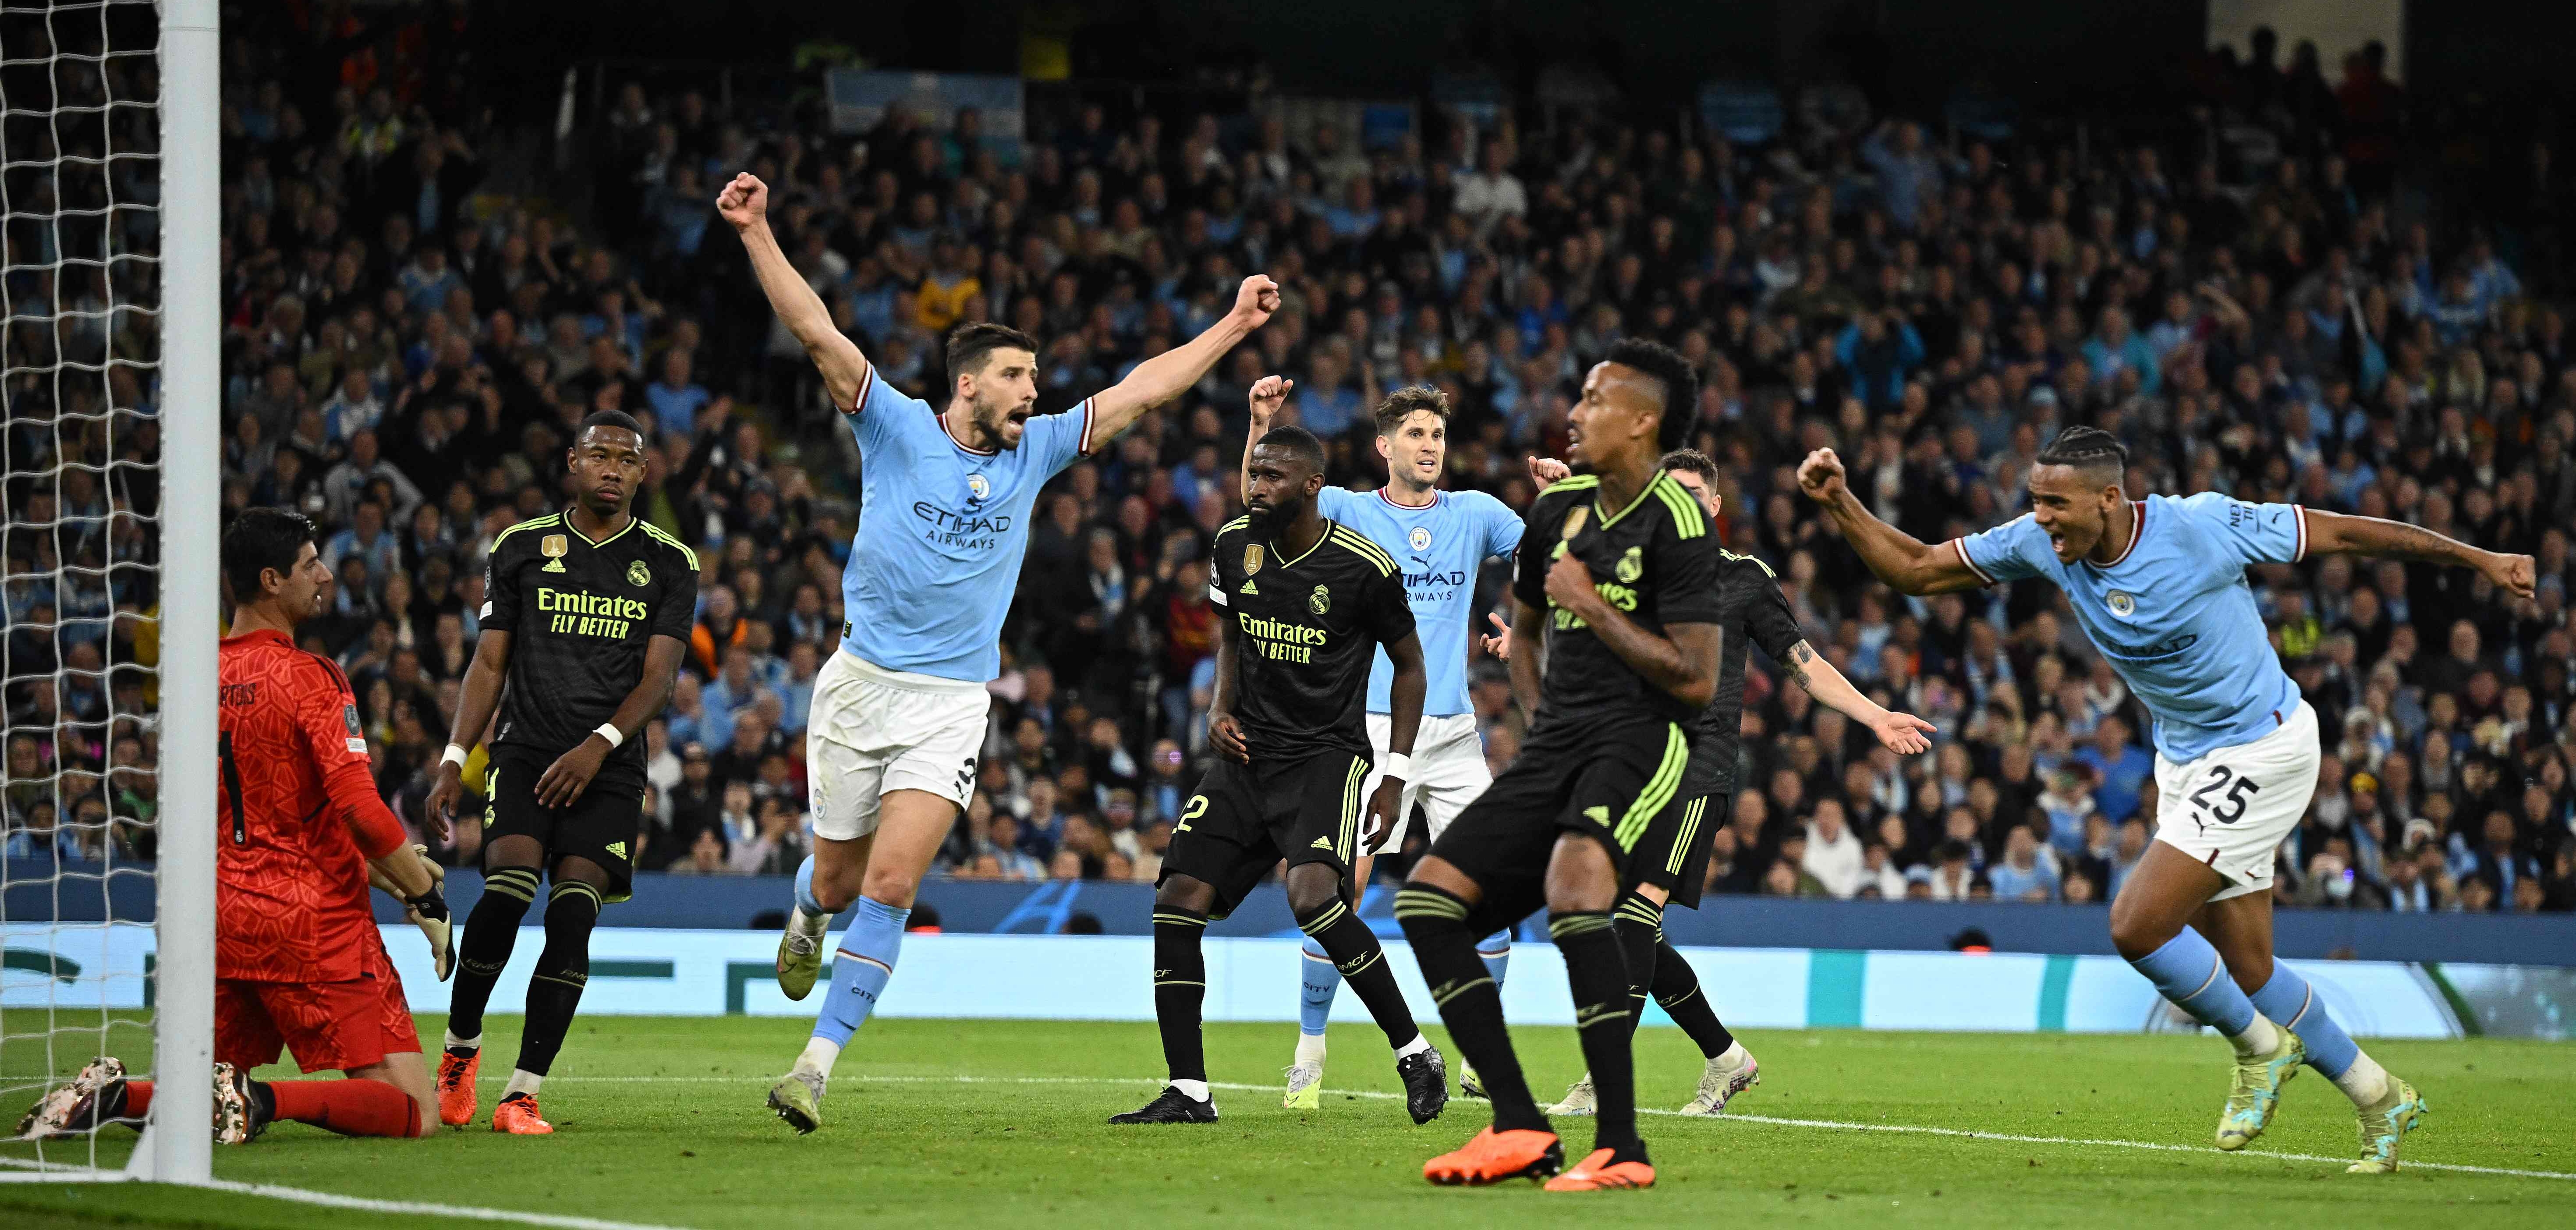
<point x="1197" y="808"/>
<point x="2230" y="809"/>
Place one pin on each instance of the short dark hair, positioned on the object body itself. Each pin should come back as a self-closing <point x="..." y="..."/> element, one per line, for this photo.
<point x="258" y="540"/>
<point x="1400" y="405"/>
<point x="969" y="343"/>
<point x="2089" y="449"/>
<point x="1693" y="460"/>
<point x="610" y="418"/>
<point x="1681" y="384"/>
<point x="1296" y="440"/>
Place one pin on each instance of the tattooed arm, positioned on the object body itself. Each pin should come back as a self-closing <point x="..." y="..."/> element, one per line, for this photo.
<point x="2330" y="532"/>
<point x="1902" y="733"/>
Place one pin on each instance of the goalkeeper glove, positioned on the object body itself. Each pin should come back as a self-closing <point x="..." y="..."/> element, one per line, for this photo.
<point x="429" y="912"/>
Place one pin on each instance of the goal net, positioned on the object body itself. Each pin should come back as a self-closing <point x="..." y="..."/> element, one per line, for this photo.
<point x="107" y="665"/>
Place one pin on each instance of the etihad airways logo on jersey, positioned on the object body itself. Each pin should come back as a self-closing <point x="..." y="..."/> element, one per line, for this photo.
<point x="1279" y="640"/>
<point x="575" y="613"/>
<point x="955" y="529"/>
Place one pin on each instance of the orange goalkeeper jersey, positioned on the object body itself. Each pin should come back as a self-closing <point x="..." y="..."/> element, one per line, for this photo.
<point x="298" y="817"/>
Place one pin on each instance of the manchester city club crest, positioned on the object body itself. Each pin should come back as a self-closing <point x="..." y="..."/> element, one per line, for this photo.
<point x="553" y="547"/>
<point x="1320" y="601"/>
<point x="1574" y="523"/>
<point x="979" y="486"/>
<point x="2121" y="603"/>
<point x="1252" y="559"/>
<point x="1631" y="566"/>
<point x="638" y="575"/>
<point x="1420" y="538"/>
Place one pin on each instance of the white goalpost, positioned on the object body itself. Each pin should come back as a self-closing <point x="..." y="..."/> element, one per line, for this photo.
<point x="110" y="451"/>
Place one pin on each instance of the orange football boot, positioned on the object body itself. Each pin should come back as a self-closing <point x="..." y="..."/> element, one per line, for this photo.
<point x="518" y="1115"/>
<point x="1598" y="1173"/>
<point x="1495" y="1156"/>
<point x="455" y="1086"/>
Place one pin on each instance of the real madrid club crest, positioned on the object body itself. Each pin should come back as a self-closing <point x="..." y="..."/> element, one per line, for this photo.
<point x="2121" y="603"/>
<point x="1420" y="538"/>
<point x="1320" y="601"/>
<point x="638" y="575"/>
<point x="979" y="486"/>
<point x="1631" y="566"/>
<point x="1574" y="522"/>
<point x="1252" y="559"/>
<point x="553" y="548"/>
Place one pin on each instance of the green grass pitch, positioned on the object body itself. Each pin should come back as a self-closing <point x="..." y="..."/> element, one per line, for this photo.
<point x="997" y="1123"/>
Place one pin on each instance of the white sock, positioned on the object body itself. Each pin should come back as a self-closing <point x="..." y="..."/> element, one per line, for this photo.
<point x="2365" y="1081"/>
<point x="2260" y="1038"/>
<point x="453" y="1042"/>
<point x="1310" y="1048"/>
<point x="1413" y="1048"/>
<point x="809" y="924"/>
<point x="820" y="1054"/>
<point x="1733" y="1057"/>
<point x="522" y="1081"/>
<point x="1194" y="1090"/>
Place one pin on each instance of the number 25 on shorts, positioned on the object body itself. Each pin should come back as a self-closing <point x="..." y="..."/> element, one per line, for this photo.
<point x="2232" y="808"/>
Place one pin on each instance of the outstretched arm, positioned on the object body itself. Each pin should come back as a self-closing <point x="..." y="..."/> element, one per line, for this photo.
<point x="1166" y="375"/>
<point x="745" y="204"/>
<point x="1404" y="700"/>
<point x="1901" y="733"/>
<point x="1910" y="566"/>
<point x="2340" y="532"/>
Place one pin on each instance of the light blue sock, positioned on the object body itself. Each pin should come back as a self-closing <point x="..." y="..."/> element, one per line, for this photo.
<point x="805" y="899"/>
<point x="2190" y="974"/>
<point x="1317" y="981"/>
<point x="860" y="969"/>
<point x="2293" y="1005"/>
<point x="1496" y="952"/>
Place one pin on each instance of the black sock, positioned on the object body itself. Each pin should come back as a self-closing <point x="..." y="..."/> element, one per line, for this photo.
<point x="1355" y="952"/>
<point x="491" y="931"/>
<point x="1435" y="920"/>
<point x="1180" y="986"/>
<point x="562" y="970"/>
<point x="1639" y="923"/>
<point x="1598" y="976"/>
<point x="1676" y="987"/>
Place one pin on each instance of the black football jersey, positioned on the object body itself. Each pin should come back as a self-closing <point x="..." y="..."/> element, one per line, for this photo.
<point x="579" y="615"/>
<point x="1305" y="633"/>
<point x="1753" y="611"/>
<point x="1655" y="560"/>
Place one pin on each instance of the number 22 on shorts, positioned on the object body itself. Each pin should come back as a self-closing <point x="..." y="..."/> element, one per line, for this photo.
<point x="1197" y="808"/>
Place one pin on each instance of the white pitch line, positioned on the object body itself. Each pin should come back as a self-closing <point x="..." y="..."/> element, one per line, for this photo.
<point x="1773" y="1120"/>
<point x="418" y="1208"/>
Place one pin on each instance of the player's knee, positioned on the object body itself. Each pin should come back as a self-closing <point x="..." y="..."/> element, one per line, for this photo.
<point x="2135" y="932"/>
<point x="881" y="885"/>
<point x="2252" y="969"/>
<point x="1312" y="889"/>
<point x="1182" y="892"/>
<point x="1580" y="878"/>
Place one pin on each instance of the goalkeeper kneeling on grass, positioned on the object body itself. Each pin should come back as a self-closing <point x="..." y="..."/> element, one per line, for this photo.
<point x="299" y="963"/>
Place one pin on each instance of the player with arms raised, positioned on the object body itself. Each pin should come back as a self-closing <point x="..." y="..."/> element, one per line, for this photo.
<point x="1308" y="603"/>
<point x="1618" y="572"/>
<point x="1439" y="540"/>
<point x="899" y="712"/>
<point x="586" y="615"/>
<point x="2159" y="586"/>
<point x="299" y="964"/>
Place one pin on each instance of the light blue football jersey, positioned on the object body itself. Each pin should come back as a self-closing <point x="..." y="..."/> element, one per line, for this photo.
<point x="942" y="529"/>
<point x="2173" y="614"/>
<point x="1440" y="546"/>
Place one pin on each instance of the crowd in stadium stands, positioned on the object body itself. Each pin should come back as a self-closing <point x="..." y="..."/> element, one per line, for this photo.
<point x="402" y="359"/>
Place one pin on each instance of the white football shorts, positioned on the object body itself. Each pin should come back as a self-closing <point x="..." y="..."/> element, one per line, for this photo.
<point x="2232" y="808"/>
<point x="1448" y="771"/>
<point x="873" y="730"/>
